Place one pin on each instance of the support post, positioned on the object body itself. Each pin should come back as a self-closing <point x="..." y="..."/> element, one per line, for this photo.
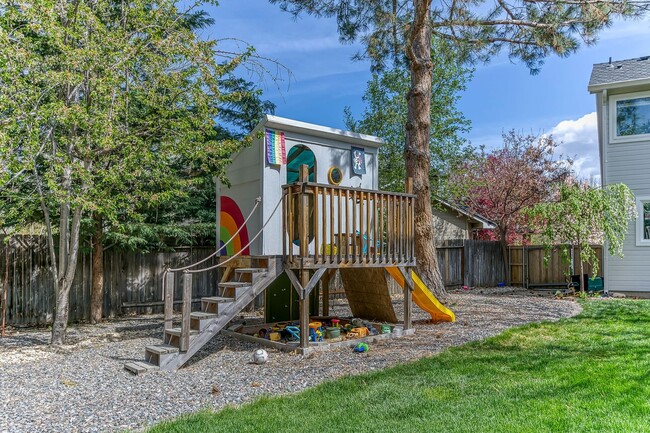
<point x="304" y="311"/>
<point x="170" y="278"/>
<point x="325" y="286"/>
<point x="408" y="298"/>
<point x="407" y="273"/>
<point x="303" y="232"/>
<point x="186" y="311"/>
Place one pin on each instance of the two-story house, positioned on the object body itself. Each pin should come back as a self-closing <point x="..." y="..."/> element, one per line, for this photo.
<point x="622" y="90"/>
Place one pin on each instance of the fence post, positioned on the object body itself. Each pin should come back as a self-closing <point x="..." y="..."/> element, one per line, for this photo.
<point x="170" y="279"/>
<point x="187" y="310"/>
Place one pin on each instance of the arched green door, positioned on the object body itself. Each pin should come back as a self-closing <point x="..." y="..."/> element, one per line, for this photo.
<point x="297" y="156"/>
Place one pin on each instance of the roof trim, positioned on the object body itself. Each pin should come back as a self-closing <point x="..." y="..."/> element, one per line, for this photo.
<point x="596" y="88"/>
<point x="487" y="224"/>
<point x="290" y="125"/>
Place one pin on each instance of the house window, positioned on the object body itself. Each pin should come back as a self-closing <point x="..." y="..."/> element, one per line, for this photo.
<point x="643" y="221"/>
<point x="631" y="117"/>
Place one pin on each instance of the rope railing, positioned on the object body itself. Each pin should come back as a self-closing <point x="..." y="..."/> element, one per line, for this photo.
<point x="258" y="200"/>
<point x="187" y="269"/>
<point x="196" y="271"/>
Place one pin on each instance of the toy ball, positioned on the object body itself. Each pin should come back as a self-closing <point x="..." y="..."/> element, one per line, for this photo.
<point x="361" y="347"/>
<point x="260" y="356"/>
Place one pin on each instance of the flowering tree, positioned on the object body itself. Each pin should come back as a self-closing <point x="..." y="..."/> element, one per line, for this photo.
<point x="581" y="210"/>
<point x="504" y="184"/>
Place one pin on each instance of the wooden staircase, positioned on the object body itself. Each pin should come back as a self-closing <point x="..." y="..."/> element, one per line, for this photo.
<point x="216" y="312"/>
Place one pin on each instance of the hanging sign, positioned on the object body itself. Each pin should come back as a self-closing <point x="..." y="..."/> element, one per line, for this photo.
<point x="275" y="150"/>
<point x="358" y="160"/>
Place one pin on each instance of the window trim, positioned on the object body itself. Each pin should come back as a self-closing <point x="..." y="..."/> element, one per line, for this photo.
<point x="613" y="99"/>
<point x="640" y="241"/>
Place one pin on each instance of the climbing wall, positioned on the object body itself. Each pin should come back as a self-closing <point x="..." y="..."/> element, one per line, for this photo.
<point x="367" y="293"/>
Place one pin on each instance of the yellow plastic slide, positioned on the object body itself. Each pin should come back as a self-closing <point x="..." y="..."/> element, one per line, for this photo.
<point x="424" y="298"/>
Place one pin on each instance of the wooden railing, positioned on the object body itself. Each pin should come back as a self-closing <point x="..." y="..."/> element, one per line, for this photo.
<point x="334" y="226"/>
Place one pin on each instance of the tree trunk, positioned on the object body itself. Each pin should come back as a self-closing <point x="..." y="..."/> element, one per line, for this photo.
<point x="416" y="150"/>
<point x="60" y="324"/>
<point x="5" y="287"/>
<point x="66" y="278"/>
<point x="97" y="289"/>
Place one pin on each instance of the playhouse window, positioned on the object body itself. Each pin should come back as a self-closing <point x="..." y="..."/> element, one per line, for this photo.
<point x="632" y="117"/>
<point x="643" y="221"/>
<point x="297" y="156"/>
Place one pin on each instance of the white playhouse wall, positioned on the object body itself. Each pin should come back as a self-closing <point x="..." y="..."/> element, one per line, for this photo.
<point x="244" y="174"/>
<point x="251" y="176"/>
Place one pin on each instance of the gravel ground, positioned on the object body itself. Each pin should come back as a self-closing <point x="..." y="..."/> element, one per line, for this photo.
<point x="82" y="387"/>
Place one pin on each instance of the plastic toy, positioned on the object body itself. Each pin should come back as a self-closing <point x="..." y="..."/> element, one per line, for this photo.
<point x="294" y="331"/>
<point x="260" y="356"/>
<point x="315" y="334"/>
<point x="361" y="347"/>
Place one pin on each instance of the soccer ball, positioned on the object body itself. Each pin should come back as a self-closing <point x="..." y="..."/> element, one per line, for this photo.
<point x="260" y="356"/>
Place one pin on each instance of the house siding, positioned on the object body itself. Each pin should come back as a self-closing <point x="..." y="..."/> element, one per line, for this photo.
<point x="628" y="163"/>
<point x="449" y="226"/>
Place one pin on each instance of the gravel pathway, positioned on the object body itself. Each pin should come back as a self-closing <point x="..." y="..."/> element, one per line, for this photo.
<point x="82" y="387"/>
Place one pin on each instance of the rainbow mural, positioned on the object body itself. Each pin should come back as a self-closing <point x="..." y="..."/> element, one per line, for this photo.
<point x="231" y="220"/>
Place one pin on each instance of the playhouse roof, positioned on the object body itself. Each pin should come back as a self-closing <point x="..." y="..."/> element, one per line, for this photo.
<point x="290" y="125"/>
<point x="619" y="73"/>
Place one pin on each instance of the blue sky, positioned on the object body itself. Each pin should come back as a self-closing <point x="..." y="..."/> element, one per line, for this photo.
<point x="501" y="96"/>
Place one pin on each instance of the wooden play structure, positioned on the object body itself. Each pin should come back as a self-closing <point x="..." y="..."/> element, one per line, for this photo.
<point x="302" y="204"/>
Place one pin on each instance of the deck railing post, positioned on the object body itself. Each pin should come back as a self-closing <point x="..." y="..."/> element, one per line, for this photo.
<point x="170" y="279"/>
<point x="303" y="213"/>
<point x="186" y="311"/>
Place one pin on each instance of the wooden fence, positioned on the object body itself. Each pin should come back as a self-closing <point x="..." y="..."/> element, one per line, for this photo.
<point x="527" y="267"/>
<point x="464" y="262"/>
<point x="132" y="282"/>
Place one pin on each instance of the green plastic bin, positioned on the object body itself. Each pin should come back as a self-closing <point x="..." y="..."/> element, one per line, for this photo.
<point x="595" y="284"/>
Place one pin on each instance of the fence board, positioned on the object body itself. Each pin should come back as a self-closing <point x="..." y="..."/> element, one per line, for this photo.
<point x="129" y="278"/>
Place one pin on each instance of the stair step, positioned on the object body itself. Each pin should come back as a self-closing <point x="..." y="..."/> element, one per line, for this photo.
<point x="159" y="354"/>
<point x="162" y="349"/>
<point x="250" y="270"/>
<point x="177" y="332"/>
<point x="200" y="320"/>
<point x="202" y="315"/>
<point x="234" y="284"/>
<point x="217" y="299"/>
<point x="139" y="367"/>
<point x="215" y="304"/>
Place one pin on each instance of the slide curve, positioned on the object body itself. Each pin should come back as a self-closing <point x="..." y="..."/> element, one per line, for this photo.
<point x="424" y="298"/>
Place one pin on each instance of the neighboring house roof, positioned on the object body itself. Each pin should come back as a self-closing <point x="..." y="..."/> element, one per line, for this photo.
<point x="619" y="73"/>
<point x="473" y="217"/>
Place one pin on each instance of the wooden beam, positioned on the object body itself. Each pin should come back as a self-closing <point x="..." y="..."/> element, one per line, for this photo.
<point x="169" y="299"/>
<point x="304" y="310"/>
<point x="314" y="280"/>
<point x="408" y="304"/>
<point x="306" y="284"/>
<point x="186" y="311"/>
<point x="294" y="280"/>
<point x="408" y="277"/>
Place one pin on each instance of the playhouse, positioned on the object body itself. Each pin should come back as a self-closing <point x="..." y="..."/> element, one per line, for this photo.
<point x="302" y="203"/>
<point x="279" y="148"/>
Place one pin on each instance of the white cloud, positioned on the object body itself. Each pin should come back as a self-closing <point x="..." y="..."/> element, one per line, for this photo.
<point x="579" y="140"/>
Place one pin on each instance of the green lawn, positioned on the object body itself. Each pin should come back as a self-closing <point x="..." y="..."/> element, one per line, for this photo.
<point x="585" y="374"/>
